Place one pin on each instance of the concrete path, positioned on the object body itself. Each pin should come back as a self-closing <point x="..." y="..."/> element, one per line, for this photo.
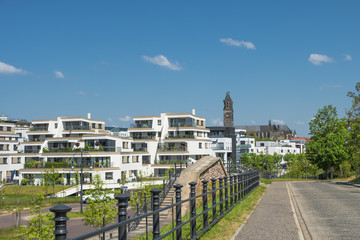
<point x="273" y="218"/>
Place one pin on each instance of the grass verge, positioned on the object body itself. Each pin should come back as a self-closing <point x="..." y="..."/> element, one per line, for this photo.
<point x="10" y="233"/>
<point x="225" y="227"/>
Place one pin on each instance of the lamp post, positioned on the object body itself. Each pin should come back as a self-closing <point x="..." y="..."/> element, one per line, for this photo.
<point x="82" y="173"/>
<point x="348" y="128"/>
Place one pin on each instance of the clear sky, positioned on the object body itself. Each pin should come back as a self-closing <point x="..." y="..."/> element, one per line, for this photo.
<point x="280" y="60"/>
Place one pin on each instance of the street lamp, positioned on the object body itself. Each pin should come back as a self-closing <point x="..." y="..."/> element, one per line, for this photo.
<point x="348" y="128"/>
<point x="82" y="172"/>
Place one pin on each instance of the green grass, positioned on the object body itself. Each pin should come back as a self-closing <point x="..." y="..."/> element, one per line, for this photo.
<point x="228" y="224"/>
<point x="15" y="196"/>
<point x="265" y="181"/>
<point x="9" y="233"/>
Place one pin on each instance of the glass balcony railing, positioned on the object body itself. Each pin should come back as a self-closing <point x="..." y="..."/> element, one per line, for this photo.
<point x="166" y="148"/>
<point x="182" y="124"/>
<point x="143" y="137"/>
<point x="140" y="149"/>
<point x="33" y="129"/>
<point x="141" y="125"/>
<point x="180" y="136"/>
<point x="68" y="128"/>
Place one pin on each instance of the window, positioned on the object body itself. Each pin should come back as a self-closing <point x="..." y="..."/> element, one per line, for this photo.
<point x="200" y="145"/>
<point x="8" y="129"/>
<point x="109" y="176"/>
<point x="262" y="144"/>
<point x="16" y="173"/>
<point x="56" y="125"/>
<point x="159" y="122"/>
<point x="100" y="126"/>
<point x="135" y="159"/>
<point x="125" y="145"/>
<point x="1" y="128"/>
<point x="282" y="150"/>
<point x="206" y="145"/>
<point x="93" y="125"/>
<point x="125" y="159"/>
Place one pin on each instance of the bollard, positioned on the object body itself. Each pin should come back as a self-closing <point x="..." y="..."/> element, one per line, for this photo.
<point x="192" y="209"/>
<point x="226" y="193"/>
<point x="213" y="182"/>
<point x="205" y="204"/>
<point x="122" y="206"/>
<point x="155" y="206"/>
<point x="231" y="190"/>
<point x="221" y="196"/>
<point x="178" y="209"/>
<point x="60" y="219"/>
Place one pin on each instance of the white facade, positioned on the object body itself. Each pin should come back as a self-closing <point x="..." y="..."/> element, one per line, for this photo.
<point x="222" y="147"/>
<point x="171" y="138"/>
<point x="59" y="143"/>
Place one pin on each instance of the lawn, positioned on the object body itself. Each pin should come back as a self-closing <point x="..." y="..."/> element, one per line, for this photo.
<point x="22" y="197"/>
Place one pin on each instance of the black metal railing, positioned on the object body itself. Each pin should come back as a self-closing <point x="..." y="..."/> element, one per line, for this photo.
<point x="230" y="194"/>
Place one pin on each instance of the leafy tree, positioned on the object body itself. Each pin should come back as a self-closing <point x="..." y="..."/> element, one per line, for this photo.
<point x="101" y="210"/>
<point x="40" y="226"/>
<point x="328" y="135"/>
<point x="51" y="178"/>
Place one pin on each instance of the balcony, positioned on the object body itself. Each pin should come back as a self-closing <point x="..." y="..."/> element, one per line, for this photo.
<point x="141" y="125"/>
<point x="179" y="136"/>
<point x="171" y="148"/>
<point x="140" y="149"/>
<point x="87" y="164"/>
<point x="143" y="137"/>
<point x="182" y="124"/>
<point x="68" y="128"/>
<point x="243" y="146"/>
<point x="34" y="129"/>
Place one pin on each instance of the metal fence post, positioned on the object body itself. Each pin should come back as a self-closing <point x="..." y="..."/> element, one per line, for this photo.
<point x="226" y="194"/>
<point x="192" y="209"/>
<point x="155" y="206"/>
<point x="235" y="189"/>
<point x="60" y="219"/>
<point x="231" y="190"/>
<point x="205" y="204"/>
<point x="122" y="206"/>
<point x="221" y="196"/>
<point x="178" y="209"/>
<point x="239" y="187"/>
<point x="213" y="182"/>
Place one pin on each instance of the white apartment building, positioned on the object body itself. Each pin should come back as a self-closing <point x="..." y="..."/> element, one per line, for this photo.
<point x="170" y="138"/>
<point x="9" y="163"/>
<point x="281" y="147"/>
<point x="61" y="142"/>
<point x="222" y="147"/>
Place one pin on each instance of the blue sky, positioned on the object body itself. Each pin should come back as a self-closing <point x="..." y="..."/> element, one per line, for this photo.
<point x="280" y="60"/>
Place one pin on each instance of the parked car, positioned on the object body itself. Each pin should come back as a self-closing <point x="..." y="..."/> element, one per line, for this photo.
<point x="88" y="198"/>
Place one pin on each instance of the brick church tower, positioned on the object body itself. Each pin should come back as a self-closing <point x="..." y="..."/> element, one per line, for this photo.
<point x="228" y="111"/>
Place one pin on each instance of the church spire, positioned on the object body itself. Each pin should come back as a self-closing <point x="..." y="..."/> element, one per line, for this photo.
<point x="228" y="111"/>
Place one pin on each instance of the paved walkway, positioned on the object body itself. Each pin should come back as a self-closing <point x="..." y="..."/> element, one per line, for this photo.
<point x="273" y="218"/>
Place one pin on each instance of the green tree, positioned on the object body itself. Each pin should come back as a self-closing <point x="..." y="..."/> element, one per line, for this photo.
<point x="101" y="210"/>
<point x="328" y="135"/>
<point x="51" y="178"/>
<point x="40" y="226"/>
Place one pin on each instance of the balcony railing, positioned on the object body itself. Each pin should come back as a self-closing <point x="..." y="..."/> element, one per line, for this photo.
<point x="88" y="164"/>
<point x="143" y="137"/>
<point x="166" y="148"/>
<point x="178" y="136"/>
<point x="141" y="125"/>
<point x="38" y="129"/>
<point x="140" y="149"/>
<point x="68" y="128"/>
<point x="182" y="124"/>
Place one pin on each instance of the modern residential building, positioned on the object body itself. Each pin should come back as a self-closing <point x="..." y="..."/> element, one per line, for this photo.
<point x="9" y="163"/>
<point x="170" y="138"/>
<point x="72" y="143"/>
<point x="281" y="147"/>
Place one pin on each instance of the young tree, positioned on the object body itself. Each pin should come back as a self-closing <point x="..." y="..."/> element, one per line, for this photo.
<point x="328" y="135"/>
<point x="40" y="226"/>
<point x="101" y="210"/>
<point x="51" y="178"/>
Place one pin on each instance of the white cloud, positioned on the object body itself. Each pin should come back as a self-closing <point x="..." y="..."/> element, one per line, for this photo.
<point x="347" y="57"/>
<point x="161" y="60"/>
<point x="299" y="122"/>
<point x="278" y="122"/>
<point x="324" y="86"/>
<point x="81" y="93"/>
<point x="8" y="69"/>
<point x="125" y="119"/>
<point x="252" y="122"/>
<point x="217" y="122"/>
<point x="232" y="42"/>
<point x="58" y="74"/>
<point x="318" y="59"/>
